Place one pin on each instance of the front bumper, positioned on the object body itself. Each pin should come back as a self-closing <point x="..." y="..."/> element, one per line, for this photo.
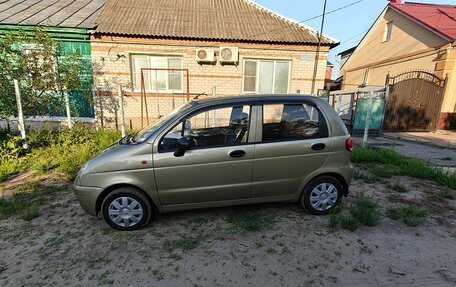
<point x="87" y="197"/>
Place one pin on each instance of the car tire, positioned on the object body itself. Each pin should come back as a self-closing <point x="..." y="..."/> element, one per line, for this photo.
<point x="321" y="195"/>
<point x="126" y="209"/>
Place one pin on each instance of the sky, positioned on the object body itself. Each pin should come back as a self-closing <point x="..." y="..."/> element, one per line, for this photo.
<point x="348" y="25"/>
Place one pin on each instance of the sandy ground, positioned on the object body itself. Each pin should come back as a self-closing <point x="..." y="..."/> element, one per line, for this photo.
<point x="65" y="246"/>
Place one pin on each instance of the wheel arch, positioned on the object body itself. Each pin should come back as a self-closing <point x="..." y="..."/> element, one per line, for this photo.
<point x="335" y="175"/>
<point x="111" y="188"/>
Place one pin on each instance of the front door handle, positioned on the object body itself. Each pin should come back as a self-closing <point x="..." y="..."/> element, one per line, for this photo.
<point x="237" y="153"/>
<point x="318" y="146"/>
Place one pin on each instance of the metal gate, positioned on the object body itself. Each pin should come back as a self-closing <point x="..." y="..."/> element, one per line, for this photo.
<point x="414" y="101"/>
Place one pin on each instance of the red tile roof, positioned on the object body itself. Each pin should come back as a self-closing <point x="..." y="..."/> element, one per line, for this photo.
<point x="441" y="19"/>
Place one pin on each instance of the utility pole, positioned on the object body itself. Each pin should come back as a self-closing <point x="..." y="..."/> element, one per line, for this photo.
<point x="317" y="55"/>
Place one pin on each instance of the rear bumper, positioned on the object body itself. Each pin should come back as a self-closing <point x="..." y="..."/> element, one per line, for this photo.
<point x="87" y="197"/>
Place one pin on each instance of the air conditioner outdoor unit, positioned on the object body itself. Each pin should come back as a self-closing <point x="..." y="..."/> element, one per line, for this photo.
<point x="205" y="55"/>
<point x="229" y="55"/>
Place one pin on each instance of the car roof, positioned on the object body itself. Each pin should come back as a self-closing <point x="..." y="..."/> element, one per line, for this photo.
<point x="252" y="98"/>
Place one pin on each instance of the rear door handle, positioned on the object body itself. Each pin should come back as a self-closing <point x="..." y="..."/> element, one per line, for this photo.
<point x="237" y="153"/>
<point x="318" y="146"/>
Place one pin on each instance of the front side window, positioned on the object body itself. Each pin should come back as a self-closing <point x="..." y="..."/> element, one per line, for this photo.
<point x="161" y="81"/>
<point x="266" y="76"/>
<point x="292" y="122"/>
<point x="213" y="128"/>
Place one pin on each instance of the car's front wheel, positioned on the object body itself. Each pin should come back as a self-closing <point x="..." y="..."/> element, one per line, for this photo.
<point x="321" y="195"/>
<point x="126" y="209"/>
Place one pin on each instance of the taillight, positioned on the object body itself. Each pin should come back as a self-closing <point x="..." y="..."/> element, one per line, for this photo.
<point x="349" y="144"/>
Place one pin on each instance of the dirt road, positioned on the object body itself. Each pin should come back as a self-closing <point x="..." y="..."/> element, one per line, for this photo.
<point x="215" y="247"/>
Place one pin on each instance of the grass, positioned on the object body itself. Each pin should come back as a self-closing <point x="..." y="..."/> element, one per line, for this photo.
<point x="250" y="221"/>
<point x="404" y="166"/>
<point x="399" y="188"/>
<point x="412" y="215"/>
<point x="195" y="223"/>
<point x="447" y="194"/>
<point x="365" y="212"/>
<point x="334" y="216"/>
<point x="64" y="150"/>
<point x="185" y="243"/>
<point x="26" y="204"/>
<point x="348" y="222"/>
<point x="30" y="212"/>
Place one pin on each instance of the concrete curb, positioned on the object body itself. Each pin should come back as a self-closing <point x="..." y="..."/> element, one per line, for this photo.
<point x="448" y="146"/>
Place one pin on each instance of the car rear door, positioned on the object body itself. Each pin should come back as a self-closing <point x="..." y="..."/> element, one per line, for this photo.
<point x="292" y="143"/>
<point x="219" y="166"/>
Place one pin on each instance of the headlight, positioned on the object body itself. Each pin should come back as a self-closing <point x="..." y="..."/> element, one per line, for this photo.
<point x="83" y="168"/>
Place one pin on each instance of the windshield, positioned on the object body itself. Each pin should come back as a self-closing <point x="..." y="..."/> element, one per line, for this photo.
<point x="143" y="134"/>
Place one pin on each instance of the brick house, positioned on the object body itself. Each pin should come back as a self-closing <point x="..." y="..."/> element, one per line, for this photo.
<point x="229" y="47"/>
<point x="409" y="37"/>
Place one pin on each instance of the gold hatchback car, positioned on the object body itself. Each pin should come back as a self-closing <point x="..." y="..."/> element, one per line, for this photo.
<point x="219" y="152"/>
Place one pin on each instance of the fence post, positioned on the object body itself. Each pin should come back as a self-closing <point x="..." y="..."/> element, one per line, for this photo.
<point x="20" y="113"/>
<point x="339" y="104"/>
<point x="368" y="115"/>
<point x="122" y="112"/>
<point x="95" y="113"/>
<point x="68" y="111"/>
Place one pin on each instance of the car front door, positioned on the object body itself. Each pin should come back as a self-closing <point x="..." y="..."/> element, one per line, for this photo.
<point x="217" y="166"/>
<point x="292" y="143"/>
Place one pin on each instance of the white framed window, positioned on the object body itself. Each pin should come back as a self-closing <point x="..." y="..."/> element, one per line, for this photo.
<point x="266" y="76"/>
<point x="157" y="81"/>
<point x="388" y="31"/>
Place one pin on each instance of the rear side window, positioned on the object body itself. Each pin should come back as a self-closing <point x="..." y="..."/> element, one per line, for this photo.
<point x="292" y="122"/>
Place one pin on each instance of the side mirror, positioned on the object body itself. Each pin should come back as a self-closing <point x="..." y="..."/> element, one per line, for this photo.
<point x="183" y="144"/>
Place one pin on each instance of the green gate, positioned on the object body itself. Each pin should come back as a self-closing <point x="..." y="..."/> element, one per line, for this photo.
<point x="377" y="103"/>
<point x="81" y="101"/>
<point x="70" y="40"/>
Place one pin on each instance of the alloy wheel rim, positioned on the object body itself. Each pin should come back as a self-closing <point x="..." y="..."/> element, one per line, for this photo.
<point x="125" y="211"/>
<point x="323" y="196"/>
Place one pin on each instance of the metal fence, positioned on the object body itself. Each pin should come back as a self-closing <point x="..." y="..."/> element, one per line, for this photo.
<point x="361" y="110"/>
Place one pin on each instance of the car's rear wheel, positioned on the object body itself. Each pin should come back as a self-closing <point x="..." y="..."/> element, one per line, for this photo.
<point x="321" y="195"/>
<point x="126" y="209"/>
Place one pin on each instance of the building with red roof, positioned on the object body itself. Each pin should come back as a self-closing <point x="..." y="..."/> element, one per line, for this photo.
<point x="406" y="38"/>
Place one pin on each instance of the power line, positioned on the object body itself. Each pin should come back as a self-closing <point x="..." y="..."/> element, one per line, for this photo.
<point x="308" y="19"/>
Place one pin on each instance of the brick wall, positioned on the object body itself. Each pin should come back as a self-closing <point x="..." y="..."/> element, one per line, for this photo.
<point x="112" y="56"/>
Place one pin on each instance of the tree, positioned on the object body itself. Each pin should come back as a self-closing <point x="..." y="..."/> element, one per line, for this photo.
<point x="44" y="72"/>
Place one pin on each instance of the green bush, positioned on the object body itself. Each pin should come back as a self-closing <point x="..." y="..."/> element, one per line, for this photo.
<point x="60" y="150"/>
<point x="11" y="147"/>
